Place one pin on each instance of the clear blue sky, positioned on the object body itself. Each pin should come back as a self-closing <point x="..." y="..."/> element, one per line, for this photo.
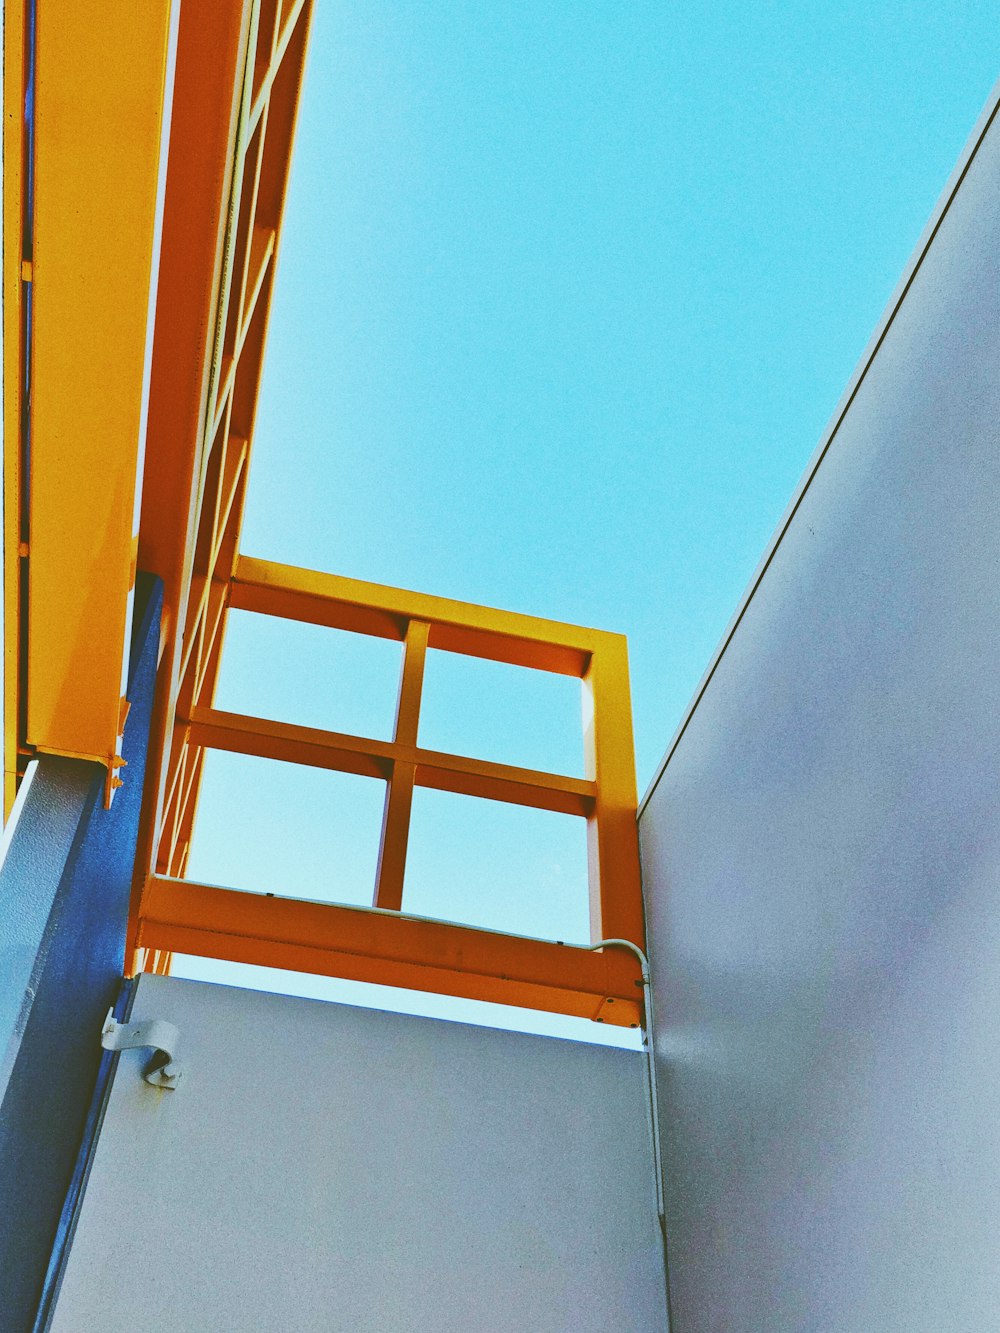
<point x="567" y="293"/>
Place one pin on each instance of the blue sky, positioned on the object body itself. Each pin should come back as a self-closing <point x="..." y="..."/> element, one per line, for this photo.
<point x="567" y="293"/>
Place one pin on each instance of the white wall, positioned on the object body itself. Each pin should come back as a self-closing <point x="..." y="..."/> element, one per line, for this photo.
<point x="822" y="860"/>
<point x="328" y="1168"/>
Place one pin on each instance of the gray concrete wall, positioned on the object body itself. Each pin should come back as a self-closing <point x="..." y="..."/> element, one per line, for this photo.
<point x="822" y="858"/>
<point x="335" y="1169"/>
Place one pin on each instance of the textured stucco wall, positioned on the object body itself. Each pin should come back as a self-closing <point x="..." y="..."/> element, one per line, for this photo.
<point x="324" y="1168"/>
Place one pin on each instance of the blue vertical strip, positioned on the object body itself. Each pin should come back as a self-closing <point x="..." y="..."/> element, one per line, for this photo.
<point x="28" y="233"/>
<point x="76" y="977"/>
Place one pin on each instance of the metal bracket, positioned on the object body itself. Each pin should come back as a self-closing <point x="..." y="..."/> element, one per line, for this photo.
<point x="622" y="1013"/>
<point x="163" y="1070"/>
<point x="112" y="779"/>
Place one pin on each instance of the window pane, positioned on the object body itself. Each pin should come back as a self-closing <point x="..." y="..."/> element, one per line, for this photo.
<point x="279" y="828"/>
<point x="505" y="867"/>
<point x="510" y="714"/>
<point x="308" y="674"/>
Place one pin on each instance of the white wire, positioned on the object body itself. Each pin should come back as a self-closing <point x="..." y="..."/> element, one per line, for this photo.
<point x="650" y="1064"/>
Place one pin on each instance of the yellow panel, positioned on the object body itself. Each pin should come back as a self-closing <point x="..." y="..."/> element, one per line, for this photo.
<point x="104" y="75"/>
<point x="13" y="152"/>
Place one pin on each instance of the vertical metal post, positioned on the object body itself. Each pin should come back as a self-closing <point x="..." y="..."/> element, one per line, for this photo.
<point x="399" y="791"/>
<point x="612" y="837"/>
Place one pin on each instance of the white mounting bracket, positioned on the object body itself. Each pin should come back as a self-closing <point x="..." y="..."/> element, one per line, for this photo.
<point x="163" y="1070"/>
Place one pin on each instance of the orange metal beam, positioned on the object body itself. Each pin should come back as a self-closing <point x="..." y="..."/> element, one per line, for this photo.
<point x="395" y="834"/>
<point x="208" y="90"/>
<point x="369" y="608"/>
<point x="218" y="730"/>
<point x="616" y="909"/>
<point x="240" y="66"/>
<point x="388" y="949"/>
